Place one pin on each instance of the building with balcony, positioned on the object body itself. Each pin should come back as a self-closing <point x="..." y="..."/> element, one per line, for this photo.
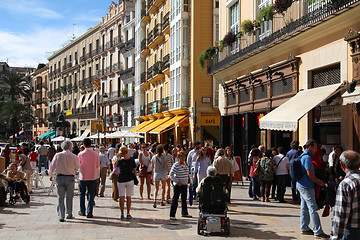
<point x="173" y="95"/>
<point x="73" y="71"/>
<point x="39" y="83"/>
<point x="118" y="67"/>
<point x="283" y="78"/>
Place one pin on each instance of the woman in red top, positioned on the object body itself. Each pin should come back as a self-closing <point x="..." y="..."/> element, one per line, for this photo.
<point x="6" y="154"/>
<point x="33" y="158"/>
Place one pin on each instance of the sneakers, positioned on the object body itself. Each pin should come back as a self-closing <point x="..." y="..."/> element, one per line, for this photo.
<point x="322" y="236"/>
<point x="172" y="218"/>
<point x="122" y="217"/>
<point x="89" y="215"/>
<point x="186" y="216"/>
<point x="308" y="232"/>
<point x="128" y="216"/>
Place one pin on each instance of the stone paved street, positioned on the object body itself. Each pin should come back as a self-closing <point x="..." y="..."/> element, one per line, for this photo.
<point x="249" y="220"/>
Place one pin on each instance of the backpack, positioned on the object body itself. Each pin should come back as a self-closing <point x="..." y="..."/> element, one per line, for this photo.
<point x="296" y="168"/>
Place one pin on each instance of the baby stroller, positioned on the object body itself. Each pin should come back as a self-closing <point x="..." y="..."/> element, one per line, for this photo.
<point x="213" y="208"/>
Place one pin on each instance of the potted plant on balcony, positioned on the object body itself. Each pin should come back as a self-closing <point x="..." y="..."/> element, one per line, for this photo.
<point x="221" y="45"/>
<point x="124" y="92"/>
<point x="247" y="26"/>
<point x="280" y="6"/>
<point x="229" y="38"/>
<point x="201" y="59"/>
<point x="266" y="13"/>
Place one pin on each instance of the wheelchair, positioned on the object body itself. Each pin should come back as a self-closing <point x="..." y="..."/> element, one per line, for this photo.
<point x="11" y="187"/>
<point x="213" y="208"/>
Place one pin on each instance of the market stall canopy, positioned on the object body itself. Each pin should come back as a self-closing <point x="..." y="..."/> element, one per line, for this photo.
<point x="171" y="122"/>
<point x="125" y="134"/>
<point x="85" y="133"/>
<point x="59" y="139"/>
<point x="47" y="134"/>
<point x="77" y="139"/>
<point x="96" y="136"/>
<point x="286" y="116"/>
<point x="141" y="125"/>
<point x="153" y="125"/>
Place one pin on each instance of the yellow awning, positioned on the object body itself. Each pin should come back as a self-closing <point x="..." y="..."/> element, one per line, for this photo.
<point x="167" y="124"/>
<point x="153" y="125"/>
<point x="141" y="125"/>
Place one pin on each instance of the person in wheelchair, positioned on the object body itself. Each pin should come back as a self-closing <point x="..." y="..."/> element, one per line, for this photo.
<point x="212" y="204"/>
<point x="17" y="182"/>
<point x="213" y="184"/>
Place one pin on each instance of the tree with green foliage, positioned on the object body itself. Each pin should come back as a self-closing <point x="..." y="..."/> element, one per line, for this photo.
<point x="12" y="111"/>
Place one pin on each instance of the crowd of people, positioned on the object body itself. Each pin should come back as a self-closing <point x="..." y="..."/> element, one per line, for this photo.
<point x="334" y="182"/>
<point x="324" y="184"/>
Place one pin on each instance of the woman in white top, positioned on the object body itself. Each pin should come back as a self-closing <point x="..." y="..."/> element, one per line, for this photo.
<point x="229" y="155"/>
<point x="145" y="171"/>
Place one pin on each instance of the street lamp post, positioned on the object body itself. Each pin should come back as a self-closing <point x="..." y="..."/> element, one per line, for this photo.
<point x="105" y="96"/>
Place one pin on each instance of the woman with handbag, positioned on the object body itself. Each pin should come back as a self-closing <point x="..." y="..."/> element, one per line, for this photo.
<point x="127" y="173"/>
<point x="145" y="171"/>
<point x="161" y="171"/>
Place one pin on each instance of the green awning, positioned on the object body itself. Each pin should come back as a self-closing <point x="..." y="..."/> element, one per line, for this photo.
<point x="46" y="135"/>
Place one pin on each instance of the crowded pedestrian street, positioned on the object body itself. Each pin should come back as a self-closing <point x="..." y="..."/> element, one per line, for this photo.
<point x="249" y="219"/>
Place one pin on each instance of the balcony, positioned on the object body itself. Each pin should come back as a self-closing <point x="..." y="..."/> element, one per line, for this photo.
<point x="107" y="70"/>
<point x="165" y="104"/>
<point x="142" y="110"/>
<point x="145" y="18"/>
<point x="85" y="110"/>
<point x="64" y="67"/>
<point x="157" y="72"/>
<point x="153" y="5"/>
<point x="122" y="47"/>
<point x="108" y="45"/>
<point x="69" y="65"/>
<point x="82" y="58"/>
<point x="116" y="40"/>
<point x="294" y="28"/>
<point x="166" y="24"/>
<point x="150" y="37"/>
<point x="158" y="36"/>
<point x="166" y="64"/>
<point x="127" y="73"/>
<point x="149" y="109"/>
<point x="144" y="49"/>
<point x="100" y="73"/>
<point x="113" y="96"/>
<point x="143" y="78"/>
<point x="57" y="91"/>
<point x="116" y="67"/>
<point x="130" y="44"/>
<point x="97" y="51"/>
<point x="69" y="88"/>
<point x="74" y="85"/>
<point x="126" y="101"/>
<point x="149" y="73"/>
<point x="117" y="119"/>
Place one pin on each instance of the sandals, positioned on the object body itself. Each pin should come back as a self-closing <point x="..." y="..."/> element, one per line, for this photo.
<point x="154" y="205"/>
<point x="162" y="204"/>
<point x="168" y="201"/>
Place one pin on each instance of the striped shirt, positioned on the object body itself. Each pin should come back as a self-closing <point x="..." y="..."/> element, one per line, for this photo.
<point x="180" y="173"/>
<point x="170" y="160"/>
<point x="347" y="209"/>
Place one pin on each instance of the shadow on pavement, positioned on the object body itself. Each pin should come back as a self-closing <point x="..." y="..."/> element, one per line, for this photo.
<point x="251" y="230"/>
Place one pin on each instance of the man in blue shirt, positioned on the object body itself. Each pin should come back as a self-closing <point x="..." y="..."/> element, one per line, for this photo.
<point x="294" y="153"/>
<point x="305" y="185"/>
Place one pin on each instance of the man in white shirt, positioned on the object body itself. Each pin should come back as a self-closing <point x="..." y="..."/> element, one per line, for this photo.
<point x="282" y="173"/>
<point x="64" y="165"/>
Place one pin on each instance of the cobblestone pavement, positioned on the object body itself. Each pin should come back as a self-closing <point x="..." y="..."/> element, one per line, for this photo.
<point x="249" y="219"/>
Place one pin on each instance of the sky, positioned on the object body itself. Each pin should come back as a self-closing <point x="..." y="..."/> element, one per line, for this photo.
<point x="32" y="30"/>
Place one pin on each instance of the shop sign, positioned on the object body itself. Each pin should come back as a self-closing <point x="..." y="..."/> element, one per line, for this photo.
<point x="96" y="125"/>
<point x="330" y="114"/>
<point x="68" y="112"/>
<point x="210" y="120"/>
